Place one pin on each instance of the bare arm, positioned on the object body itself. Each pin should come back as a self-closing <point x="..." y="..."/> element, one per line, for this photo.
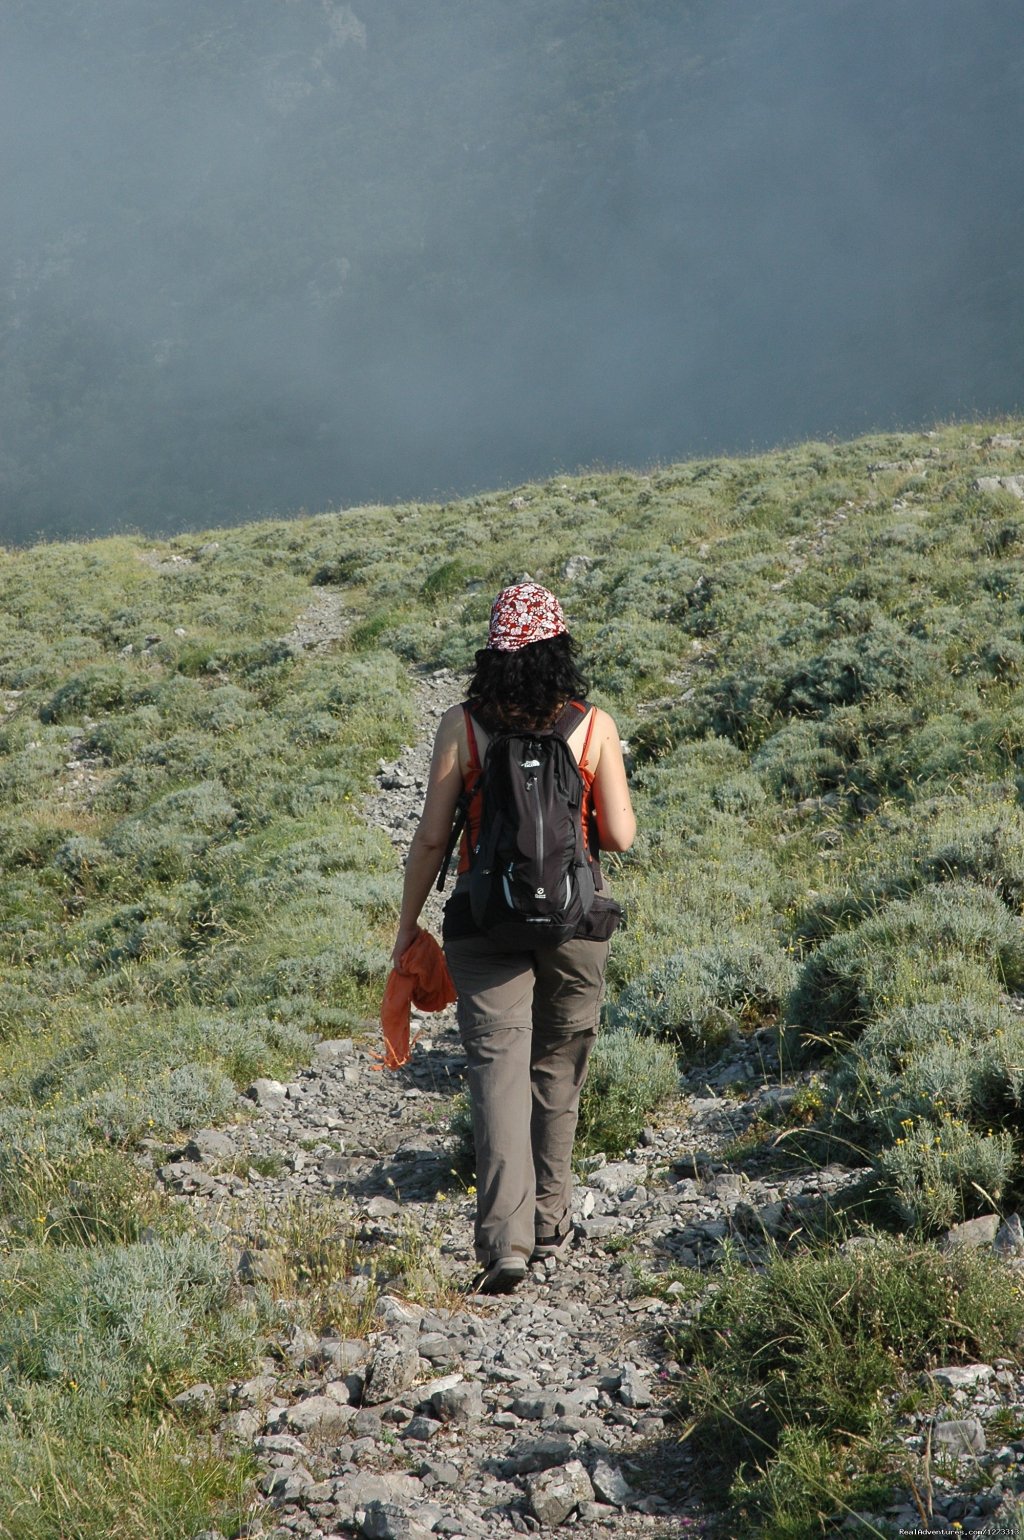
<point x="428" y="843"/>
<point x="616" y="824"/>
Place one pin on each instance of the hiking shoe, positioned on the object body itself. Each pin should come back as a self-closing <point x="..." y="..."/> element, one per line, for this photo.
<point x="503" y="1275"/>
<point x="552" y="1247"/>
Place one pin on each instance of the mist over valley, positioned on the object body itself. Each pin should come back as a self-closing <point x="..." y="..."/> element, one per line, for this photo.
<point x="304" y="253"/>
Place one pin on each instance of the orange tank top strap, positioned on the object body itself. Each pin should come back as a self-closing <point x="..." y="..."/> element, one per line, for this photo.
<point x="587" y="773"/>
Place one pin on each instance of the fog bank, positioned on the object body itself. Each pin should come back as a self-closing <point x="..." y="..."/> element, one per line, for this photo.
<point x="306" y="253"/>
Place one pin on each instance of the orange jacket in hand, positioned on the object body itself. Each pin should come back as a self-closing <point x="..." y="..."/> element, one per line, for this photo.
<point x="421" y="979"/>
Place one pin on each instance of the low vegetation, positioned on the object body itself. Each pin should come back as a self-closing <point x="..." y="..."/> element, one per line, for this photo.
<point x="818" y="658"/>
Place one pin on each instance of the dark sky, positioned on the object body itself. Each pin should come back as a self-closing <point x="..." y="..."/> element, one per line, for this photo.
<point x="307" y="253"/>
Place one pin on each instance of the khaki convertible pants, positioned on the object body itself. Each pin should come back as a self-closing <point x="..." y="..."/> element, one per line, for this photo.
<point x="528" y="1021"/>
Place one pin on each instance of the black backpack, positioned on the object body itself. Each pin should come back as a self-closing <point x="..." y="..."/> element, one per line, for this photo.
<point x="531" y="880"/>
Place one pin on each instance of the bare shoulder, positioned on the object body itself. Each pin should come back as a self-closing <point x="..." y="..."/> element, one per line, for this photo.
<point x="450" y="738"/>
<point x="605" y="729"/>
<point x="452" y="720"/>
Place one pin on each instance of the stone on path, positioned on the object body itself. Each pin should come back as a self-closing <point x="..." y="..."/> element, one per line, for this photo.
<point x="555" y="1493"/>
<point x="395" y="1366"/>
<point x="210" y="1144"/>
<point x="268" y="1094"/>
<point x="963" y="1436"/>
<point x="963" y="1376"/>
<point x="462" y="1404"/>
<point x="319" y="1414"/>
<point x="610" y="1485"/>
<point x="633" y="1391"/>
<point x="388" y="1521"/>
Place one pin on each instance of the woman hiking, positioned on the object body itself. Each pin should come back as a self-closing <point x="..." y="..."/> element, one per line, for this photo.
<point x="527" y="1015"/>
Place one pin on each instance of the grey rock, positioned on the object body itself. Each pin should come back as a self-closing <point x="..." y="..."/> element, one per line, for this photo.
<point x="200" y="1398"/>
<point x="537" y="1408"/>
<point x="342" y="1353"/>
<point x="383" y="1208"/>
<point x="389" y="1521"/>
<point x="395" y="1312"/>
<point x="963" y="1376"/>
<point x="962" y="1436"/>
<point x="333" y="1049"/>
<point x="210" y="1144"/>
<point x="268" y="1094"/>
<point x="531" y="1455"/>
<point x="422" y="1429"/>
<point x="436" y="1347"/>
<point x="357" y="1490"/>
<point x="261" y="1267"/>
<point x="394" y="1366"/>
<point x="633" y="1389"/>
<point x="992" y="484"/>
<point x="767" y="1220"/>
<point x="555" y="1493"/>
<point x="1009" y="1241"/>
<point x="463" y="1404"/>
<point x="301" y="1348"/>
<point x="256" y="1391"/>
<point x="973" y="1233"/>
<point x="367" y="1423"/>
<point x="601" y="1225"/>
<point x="319" y="1414"/>
<point x="185" y="1177"/>
<point x="577" y="567"/>
<point x="282" y="1444"/>
<point x="287" y="1486"/>
<point x="443" y="1473"/>
<point x="775" y="1101"/>
<point x="242" y="1427"/>
<point x="610" y="1485"/>
<point x="616" y="1177"/>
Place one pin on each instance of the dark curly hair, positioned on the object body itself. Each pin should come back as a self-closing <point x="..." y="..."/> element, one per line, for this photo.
<point x="525" y="688"/>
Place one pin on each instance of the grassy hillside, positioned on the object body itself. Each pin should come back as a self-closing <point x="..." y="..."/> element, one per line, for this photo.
<point x="818" y="657"/>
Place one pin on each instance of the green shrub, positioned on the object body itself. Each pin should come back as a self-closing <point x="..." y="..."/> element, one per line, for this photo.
<point x="448" y="579"/>
<point x="341" y="570"/>
<point x="128" y="1326"/>
<point x="958" y="1058"/>
<point x="708" y="991"/>
<point x="629" y="1076"/>
<point x="101" y="688"/>
<point x="120" y="738"/>
<point x="88" y="864"/>
<point x="174" y="1100"/>
<point x="882" y="660"/>
<point x="111" y="1476"/>
<point x="796" y="761"/>
<point x="818" y="1344"/>
<point x="955" y="938"/>
<point x="979" y="844"/>
<point x="941" y="1171"/>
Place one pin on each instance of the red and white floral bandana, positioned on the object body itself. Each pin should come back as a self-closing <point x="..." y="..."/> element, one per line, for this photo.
<point x="522" y="614"/>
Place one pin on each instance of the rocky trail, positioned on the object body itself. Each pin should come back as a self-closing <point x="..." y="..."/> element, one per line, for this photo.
<point x="549" y="1407"/>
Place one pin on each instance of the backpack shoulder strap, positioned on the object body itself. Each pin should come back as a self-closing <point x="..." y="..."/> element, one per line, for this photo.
<point x="569" y="718"/>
